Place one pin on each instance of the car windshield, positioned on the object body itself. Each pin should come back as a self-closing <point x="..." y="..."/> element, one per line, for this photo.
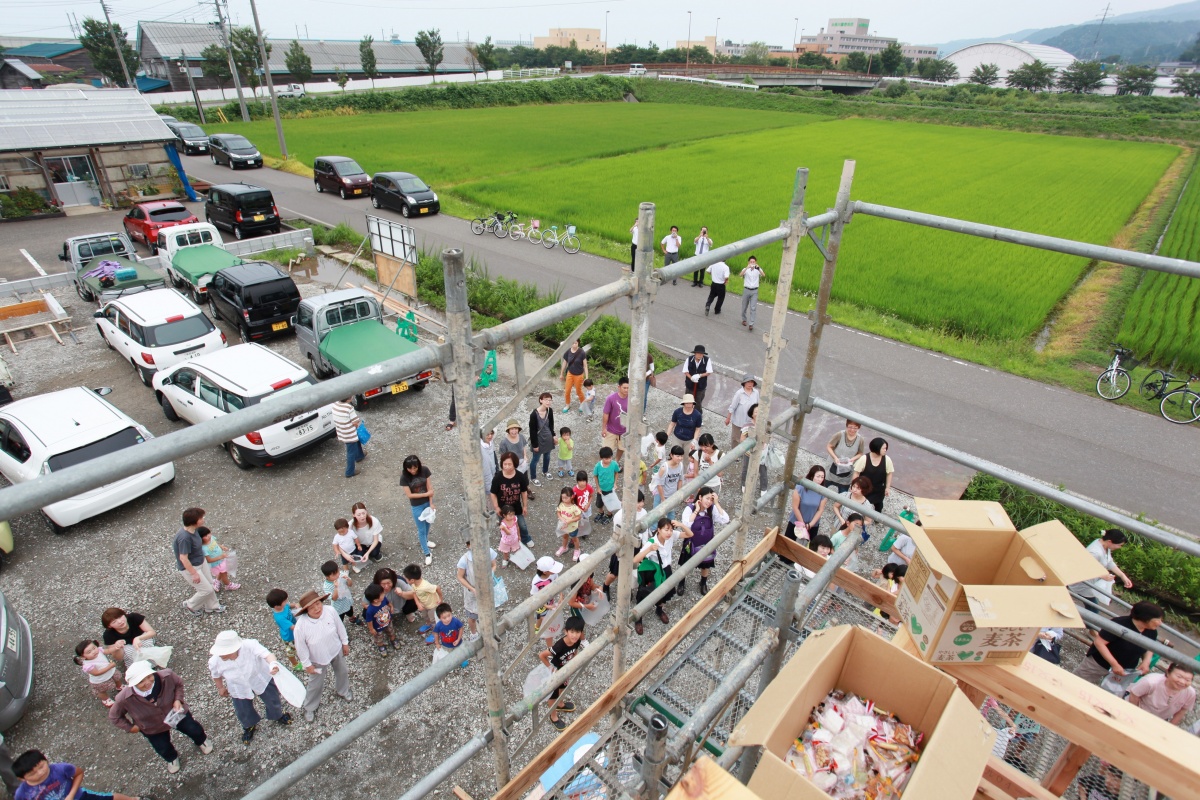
<point x="102" y="247"/>
<point x="347" y="168"/>
<point x="238" y="143"/>
<point x="257" y="201"/>
<point x="307" y="380"/>
<point x="411" y="185"/>
<point x="181" y="330"/>
<point x="276" y="292"/>
<point x="102" y="447"/>
<point x="173" y="214"/>
<point x="191" y="131"/>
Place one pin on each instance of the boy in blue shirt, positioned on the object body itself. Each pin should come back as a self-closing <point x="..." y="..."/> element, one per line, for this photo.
<point x="285" y="619"/>
<point x="448" y="630"/>
<point x="41" y="780"/>
<point x="606" y="478"/>
<point x="378" y="615"/>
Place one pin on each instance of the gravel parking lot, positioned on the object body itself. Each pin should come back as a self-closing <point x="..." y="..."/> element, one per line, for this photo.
<point x="280" y="521"/>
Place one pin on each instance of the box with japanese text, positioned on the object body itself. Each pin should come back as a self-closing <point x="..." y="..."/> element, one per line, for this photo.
<point x="980" y="597"/>
<point x="958" y="740"/>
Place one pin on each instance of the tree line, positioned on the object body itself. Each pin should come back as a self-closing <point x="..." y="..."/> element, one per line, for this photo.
<point x="1082" y="77"/>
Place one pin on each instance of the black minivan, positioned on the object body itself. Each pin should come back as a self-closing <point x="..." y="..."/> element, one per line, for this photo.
<point x="242" y="209"/>
<point x="257" y="297"/>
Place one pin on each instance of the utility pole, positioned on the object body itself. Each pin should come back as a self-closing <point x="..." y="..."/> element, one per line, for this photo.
<point x="606" y="38"/>
<point x="192" y="86"/>
<point x="117" y="45"/>
<point x="688" y="59"/>
<point x="716" y="39"/>
<point x="262" y="52"/>
<point x="237" y="82"/>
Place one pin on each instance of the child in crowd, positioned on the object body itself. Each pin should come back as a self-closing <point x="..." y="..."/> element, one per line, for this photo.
<point x="822" y="545"/>
<point x="556" y="657"/>
<point x="346" y="545"/>
<point x="378" y="614"/>
<point x="428" y="596"/>
<point x="448" y="630"/>
<point x="614" y="563"/>
<point x="547" y="568"/>
<point x="337" y="585"/>
<point x="41" y="780"/>
<point x="214" y="554"/>
<point x="582" y="599"/>
<point x="655" y="555"/>
<point x="285" y="619"/>
<point x="661" y="451"/>
<point x="606" y="480"/>
<point x="510" y="533"/>
<point x="890" y="577"/>
<point x="589" y="398"/>
<point x="103" y="678"/>
<point x="669" y="478"/>
<point x="566" y="451"/>
<point x="853" y="526"/>
<point x="569" y="515"/>
<point x="585" y="495"/>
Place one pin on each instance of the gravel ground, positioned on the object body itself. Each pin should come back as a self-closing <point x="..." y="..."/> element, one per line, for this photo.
<point x="279" y="520"/>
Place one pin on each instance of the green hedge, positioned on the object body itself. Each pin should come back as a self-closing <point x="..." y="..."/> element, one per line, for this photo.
<point x="1154" y="568"/>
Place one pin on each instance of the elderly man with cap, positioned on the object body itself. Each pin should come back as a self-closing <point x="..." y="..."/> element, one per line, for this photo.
<point x="321" y="644"/>
<point x="242" y="670"/>
<point x="739" y="410"/>
<point x="151" y="698"/>
<point x="696" y="370"/>
<point x="685" y="424"/>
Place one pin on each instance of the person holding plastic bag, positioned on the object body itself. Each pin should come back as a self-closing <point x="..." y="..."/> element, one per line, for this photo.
<point x="417" y="482"/>
<point x="653" y="564"/>
<point x="126" y="633"/>
<point x="466" y="576"/>
<point x="243" y="669"/>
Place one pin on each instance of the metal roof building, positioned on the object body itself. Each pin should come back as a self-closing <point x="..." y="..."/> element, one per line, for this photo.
<point x="1007" y="56"/>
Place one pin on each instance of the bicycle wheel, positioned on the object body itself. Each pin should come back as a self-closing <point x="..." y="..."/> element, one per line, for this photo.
<point x="501" y="230"/>
<point x="534" y="236"/>
<point x="477" y="226"/>
<point x="571" y="244"/>
<point x="1113" y="384"/>
<point x="1181" y="406"/>
<point x="549" y="240"/>
<point x="1152" y="385"/>
<point x="516" y="232"/>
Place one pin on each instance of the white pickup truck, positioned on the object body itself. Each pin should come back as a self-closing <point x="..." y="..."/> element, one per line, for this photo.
<point x="191" y="255"/>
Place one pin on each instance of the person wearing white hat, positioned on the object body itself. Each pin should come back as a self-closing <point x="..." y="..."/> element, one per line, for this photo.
<point x="151" y="696"/>
<point x="739" y="410"/>
<point x="547" y="569"/>
<point x="242" y="670"/>
<point x="321" y="644"/>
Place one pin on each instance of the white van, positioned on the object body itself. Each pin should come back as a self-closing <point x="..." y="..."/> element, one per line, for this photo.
<point x="289" y="90"/>
<point x="637" y="69"/>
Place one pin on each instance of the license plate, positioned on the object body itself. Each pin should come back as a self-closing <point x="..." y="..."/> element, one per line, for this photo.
<point x="424" y="210"/>
<point x="259" y="217"/>
<point x="304" y="430"/>
<point x="280" y="326"/>
<point x="358" y="191"/>
<point x="14" y="640"/>
<point x="397" y="388"/>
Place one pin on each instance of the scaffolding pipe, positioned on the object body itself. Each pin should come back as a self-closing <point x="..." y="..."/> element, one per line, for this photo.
<point x="1095" y="620"/>
<point x="447" y="768"/>
<point x="697" y="263"/>
<point x="654" y="760"/>
<point x="534" y="321"/>
<point x="639" y="342"/>
<point x="867" y="511"/>
<point x="1095" y="252"/>
<point x="677" y="576"/>
<point x="1175" y="632"/>
<point x="785" y="610"/>
<point x="718" y="699"/>
<point x="650" y="521"/>
<point x="775" y="344"/>
<point x="783" y="418"/>
<point x="1016" y="478"/>
<point x="458" y="329"/>
<point x="820" y="582"/>
<point x="768" y="497"/>
<point x="821" y="220"/>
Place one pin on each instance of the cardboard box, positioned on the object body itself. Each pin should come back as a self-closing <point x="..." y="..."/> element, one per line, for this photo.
<point x="975" y="596"/>
<point x="958" y="739"/>
<point x="962" y="515"/>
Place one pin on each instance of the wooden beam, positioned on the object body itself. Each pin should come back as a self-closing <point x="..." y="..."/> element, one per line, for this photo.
<point x="857" y="585"/>
<point x="26" y="309"/>
<point x="1012" y="782"/>
<point x="707" y="781"/>
<point x="1065" y="769"/>
<point x="584" y="721"/>
<point x="460" y="794"/>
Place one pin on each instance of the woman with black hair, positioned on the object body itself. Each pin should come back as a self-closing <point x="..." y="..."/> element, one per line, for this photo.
<point x="876" y="466"/>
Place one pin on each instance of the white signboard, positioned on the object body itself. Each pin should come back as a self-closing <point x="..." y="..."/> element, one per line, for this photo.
<point x="392" y="239"/>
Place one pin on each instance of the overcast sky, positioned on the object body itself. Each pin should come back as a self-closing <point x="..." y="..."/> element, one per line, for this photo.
<point x="664" y="22"/>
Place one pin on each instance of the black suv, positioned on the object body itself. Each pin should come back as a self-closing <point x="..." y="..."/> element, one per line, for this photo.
<point x="257" y="297"/>
<point x="242" y="209"/>
<point x="189" y="138"/>
<point x="233" y="150"/>
<point x="342" y="175"/>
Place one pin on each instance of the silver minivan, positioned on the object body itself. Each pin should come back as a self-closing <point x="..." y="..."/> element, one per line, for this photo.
<point x="16" y="665"/>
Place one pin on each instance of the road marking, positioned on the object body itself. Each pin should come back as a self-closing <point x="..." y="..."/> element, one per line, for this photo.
<point x="34" y="262"/>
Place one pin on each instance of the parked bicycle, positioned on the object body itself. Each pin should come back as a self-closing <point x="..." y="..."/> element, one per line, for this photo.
<point x="1179" y="402"/>
<point x="532" y="234"/>
<point x="568" y="240"/>
<point x="1114" y="382"/>
<point x="497" y="223"/>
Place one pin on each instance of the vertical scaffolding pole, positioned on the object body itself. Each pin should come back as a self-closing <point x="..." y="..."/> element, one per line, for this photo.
<point x="639" y="343"/>
<point x="654" y="759"/>
<point x="819" y="317"/>
<point x="785" y="610"/>
<point x="775" y="344"/>
<point x="458" y="321"/>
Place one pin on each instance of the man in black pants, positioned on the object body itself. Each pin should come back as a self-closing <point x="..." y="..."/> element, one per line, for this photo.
<point x="695" y="375"/>
<point x="633" y="247"/>
<point x="720" y="275"/>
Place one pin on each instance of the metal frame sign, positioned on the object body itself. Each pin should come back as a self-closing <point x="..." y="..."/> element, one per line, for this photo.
<point x="392" y="239"/>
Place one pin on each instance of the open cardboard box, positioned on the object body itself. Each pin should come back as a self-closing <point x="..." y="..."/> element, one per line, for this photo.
<point x="975" y="596"/>
<point x="962" y="515"/>
<point x="958" y="739"/>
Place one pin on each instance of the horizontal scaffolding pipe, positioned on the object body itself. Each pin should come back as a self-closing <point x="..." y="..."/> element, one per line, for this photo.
<point x="516" y="711"/>
<point x="1175" y="632"/>
<point x="534" y="321"/>
<point x="820" y="582"/>
<point x="683" y="570"/>
<point x="783" y="419"/>
<point x="1094" y="620"/>
<point x="820" y="220"/>
<point x="735" y="681"/>
<point x="1016" y="478"/>
<point x="675" y="501"/>
<point x="729" y="757"/>
<point x="1096" y="252"/>
<point x="769" y="496"/>
<point x="444" y="771"/>
<point x="697" y="263"/>
<point x="867" y="511"/>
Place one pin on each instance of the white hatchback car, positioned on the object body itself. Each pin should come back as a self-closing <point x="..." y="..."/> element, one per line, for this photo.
<point x="50" y="432"/>
<point x="156" y="329"/>
<point x="229" y="380"/>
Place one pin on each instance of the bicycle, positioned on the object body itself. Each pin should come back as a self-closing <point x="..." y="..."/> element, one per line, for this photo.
<point x="1114" y="382"/>
<point x="569" y="240"/>
<point x="532" y="234"/>
<point x="497" y="223"/>
<point x="1180" y="405"/>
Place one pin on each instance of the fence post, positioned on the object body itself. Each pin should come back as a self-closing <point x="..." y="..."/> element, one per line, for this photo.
<point x="458" y="324"/>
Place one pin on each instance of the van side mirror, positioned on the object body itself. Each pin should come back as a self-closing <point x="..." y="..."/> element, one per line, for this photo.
<point x="97" y="315"/>
<point x="292" y="320"/>
<point x="62" y="256"/>
<point x="103" y="390"/>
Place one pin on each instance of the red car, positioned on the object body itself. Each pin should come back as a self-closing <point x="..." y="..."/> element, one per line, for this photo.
<point x="145" y="220"/>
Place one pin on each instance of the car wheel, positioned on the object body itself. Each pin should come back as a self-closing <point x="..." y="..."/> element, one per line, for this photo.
<point x="317" y="185"/>
<point x="213" y="156"/>
<point x="238" y="233"/>
<point x="318" y="373"/>
<point x="55" y="528"/>
<point x="168" y="409"/>
<point x="238" y="457"/>
<point x="212" y="308"/>
<point x="359" y="402"/>
<point x="84" y="293"/>
<point x="104" y="338"/>
<point x="342" y="193"/>
<point x="404" y="212"/>
<point x="244" y="334"/>
<point x="197" y="298"/>
<point x="375" y="201"/>
<point x="146" y="376"/>
<point x="419" y="387"/>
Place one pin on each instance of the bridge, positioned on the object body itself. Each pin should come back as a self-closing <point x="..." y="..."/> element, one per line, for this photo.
<point x="833" y="80"/>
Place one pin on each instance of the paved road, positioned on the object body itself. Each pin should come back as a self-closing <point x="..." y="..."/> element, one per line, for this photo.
<point x="1117" y="456"/>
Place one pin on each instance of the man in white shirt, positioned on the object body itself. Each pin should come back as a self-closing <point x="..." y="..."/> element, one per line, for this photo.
<point x="703" y="245"/>
<point x="751" y="277"/>
<point x="739" y="409"/>
<point x="633" y="246"/>
<point x="321" y="643"/>
<point x="670" y="247"/>
<point x="719" y="273"/>
<point x="242" y="670"/>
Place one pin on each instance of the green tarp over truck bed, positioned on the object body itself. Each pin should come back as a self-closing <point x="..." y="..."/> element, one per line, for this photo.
<point x="193" y="263"/>
<point x="145" y="276"/>
<point x="363" y="343"/>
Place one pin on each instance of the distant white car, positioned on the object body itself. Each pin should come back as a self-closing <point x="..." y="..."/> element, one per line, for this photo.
<point x="637" y="69"/>
<point x="156" y="329"/>
<point x="50" y="432"/>
<point x="289" y="90"/>
<point x="228" y="380"/>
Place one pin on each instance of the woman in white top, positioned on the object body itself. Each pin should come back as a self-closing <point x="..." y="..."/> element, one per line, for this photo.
<point x="704" y="457"/>
<point x="368" y="530"/>
<point x="702" y="518"/>
<point x="703" y="245"/>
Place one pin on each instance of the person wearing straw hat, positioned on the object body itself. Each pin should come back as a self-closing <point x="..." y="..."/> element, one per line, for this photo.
<point x="685" y="424"/>
<point x="739" y="410"/>
<point x="696" y="370"/>
<point x="152" y="696"/>
<point x="321" y="644"/>
<point x="242" y="670"/>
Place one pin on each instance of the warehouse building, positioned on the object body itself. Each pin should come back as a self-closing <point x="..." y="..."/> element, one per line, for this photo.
<point x="1007" y="56"/>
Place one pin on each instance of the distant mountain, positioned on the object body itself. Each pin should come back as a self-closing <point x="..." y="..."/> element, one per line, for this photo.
<point x="1134" y="42"/>
<point x="1180" y="13"/>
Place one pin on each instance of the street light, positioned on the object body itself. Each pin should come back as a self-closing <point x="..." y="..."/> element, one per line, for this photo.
<point x="716" y="39"/>
<point x="688" y="59"/>
<point x="606" y="38"/>
<point x="794" y="29"/>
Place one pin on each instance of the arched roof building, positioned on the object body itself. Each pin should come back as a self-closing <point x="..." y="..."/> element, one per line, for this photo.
<point x="1007" y="56"/>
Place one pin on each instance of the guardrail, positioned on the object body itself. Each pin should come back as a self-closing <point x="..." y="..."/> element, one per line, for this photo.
<point x="753" y="87"/>
<point x="538" y="72"/>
